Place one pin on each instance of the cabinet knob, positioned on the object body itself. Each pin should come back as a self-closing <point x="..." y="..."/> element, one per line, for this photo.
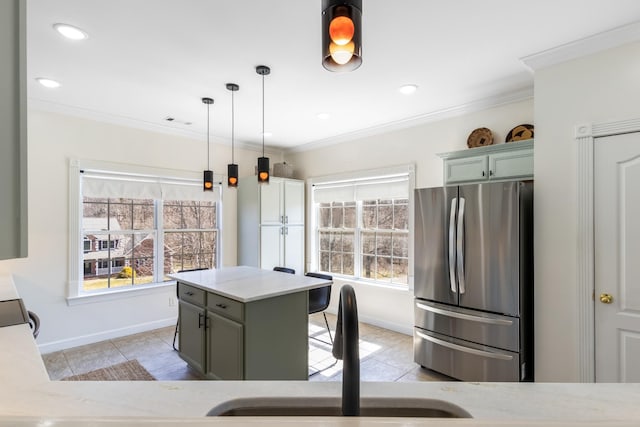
<point x="222" y="306"/>
<point x="490" y="173"/>
<point x="482" y="173"/>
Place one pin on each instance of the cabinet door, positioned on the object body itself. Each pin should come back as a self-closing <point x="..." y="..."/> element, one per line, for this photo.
<point x="465" y="170"/>
<point x="515" y="164"/>
<point x="192" y="334"/>
<point x="271" y="246"/>
<point x="271" y="202"/>
<point x="294" y="202"/>
<point x="225" y="348"/>
<point x="13" y="130"/>
<point x="294" y="248"/>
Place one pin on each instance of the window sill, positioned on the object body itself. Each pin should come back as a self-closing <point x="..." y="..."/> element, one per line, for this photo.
<point x="102" y="296"/>
<point x="361" y="281"/>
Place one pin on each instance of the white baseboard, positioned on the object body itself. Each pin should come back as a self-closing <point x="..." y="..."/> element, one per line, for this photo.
<point x="52" y="346"/>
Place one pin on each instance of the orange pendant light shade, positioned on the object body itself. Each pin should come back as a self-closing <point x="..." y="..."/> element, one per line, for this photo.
<point x="341" y="34"/>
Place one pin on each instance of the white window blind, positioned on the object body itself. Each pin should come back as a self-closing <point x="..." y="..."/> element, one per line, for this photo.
<point x="381" y="187"/>
<point x="134" y="186"/>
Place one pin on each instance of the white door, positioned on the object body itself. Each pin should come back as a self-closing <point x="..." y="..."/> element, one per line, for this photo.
<point x="294" y="248"/>
<point x="271" y="246"/>
<point x="294" y="202"/>
<point x="617" y="258"/>
<point x="271" y="202"/>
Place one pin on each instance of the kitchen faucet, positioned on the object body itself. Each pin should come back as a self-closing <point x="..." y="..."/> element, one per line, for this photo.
<point x="345" y="347"/>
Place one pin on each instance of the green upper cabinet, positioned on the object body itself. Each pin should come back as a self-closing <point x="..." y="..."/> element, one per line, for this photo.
<point x="499" y="162"/>
<point x="13" y="130"/>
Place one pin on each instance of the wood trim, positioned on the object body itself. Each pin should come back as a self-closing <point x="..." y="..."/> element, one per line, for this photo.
<point x="585" y="136"/>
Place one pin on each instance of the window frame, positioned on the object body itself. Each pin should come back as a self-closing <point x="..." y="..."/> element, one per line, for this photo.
<point x="75" y="292"/>
<point x="315" y="230"/>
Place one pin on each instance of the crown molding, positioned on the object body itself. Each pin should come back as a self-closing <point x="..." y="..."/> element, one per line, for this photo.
<point x="434" y="116"/>
<point x="586" y="46"/>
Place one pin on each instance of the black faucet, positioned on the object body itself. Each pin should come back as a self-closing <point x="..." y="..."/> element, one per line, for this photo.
<point x="345" y="347"/>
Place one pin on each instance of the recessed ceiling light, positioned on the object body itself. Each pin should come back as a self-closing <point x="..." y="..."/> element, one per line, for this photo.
<point x="70" y="32"/>
<point x="323" y="116"/>
<point x="408" y="89"/>
<point x="48" y="82"/>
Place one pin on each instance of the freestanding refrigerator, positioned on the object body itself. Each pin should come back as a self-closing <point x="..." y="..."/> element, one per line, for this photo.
<point x="473" y="281"/>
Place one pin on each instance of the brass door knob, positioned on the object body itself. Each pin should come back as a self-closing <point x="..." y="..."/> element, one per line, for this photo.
<point x="606" y="298"/>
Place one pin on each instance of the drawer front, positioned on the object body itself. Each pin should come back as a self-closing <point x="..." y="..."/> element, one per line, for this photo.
<point x="465" y="360"/>
<point x="191" y="294"/>
<point x="226" y="307"/>
<point x="484" y="328"/>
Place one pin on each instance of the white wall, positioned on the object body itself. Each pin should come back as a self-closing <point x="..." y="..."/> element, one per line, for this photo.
<point x="380" y="305"/>
<point x="41" y="278"/>
<point x="594" y="89"/>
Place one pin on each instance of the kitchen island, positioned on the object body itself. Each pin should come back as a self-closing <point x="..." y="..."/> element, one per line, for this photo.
<point x="29" y="399"/>
<point x="245" y="323"/>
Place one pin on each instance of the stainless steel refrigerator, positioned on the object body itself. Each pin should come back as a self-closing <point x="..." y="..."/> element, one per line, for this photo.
<point x="473" y="281"/>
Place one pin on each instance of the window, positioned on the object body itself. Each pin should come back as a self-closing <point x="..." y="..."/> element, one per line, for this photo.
<point x="385" y="240"/>
<point x="125" y="230"/>
<point x="190" y="230"/>
<point x="135" y="229"/>
<point x="336" y="232"/>
<point x="361" y="235"/>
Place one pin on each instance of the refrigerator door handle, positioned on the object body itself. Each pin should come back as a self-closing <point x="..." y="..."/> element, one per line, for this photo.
<point x="487" y="354"/>
<point x="452" y="252"/>
<point x="460" y="245"/>
<point x="463" y="316"/>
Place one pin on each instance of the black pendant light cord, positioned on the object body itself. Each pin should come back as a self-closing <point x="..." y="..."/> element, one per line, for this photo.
<point x="232" y="127"/>
<point x="262" y="115"/>
<point x="208" y="156"/>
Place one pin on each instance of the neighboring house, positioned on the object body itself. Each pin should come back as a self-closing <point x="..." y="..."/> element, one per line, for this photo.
<point x="103" y="253"/>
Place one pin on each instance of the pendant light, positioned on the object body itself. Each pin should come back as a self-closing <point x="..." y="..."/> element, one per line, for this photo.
<point x="207" y="182"/>
<point x="341" y="34"/>
<point x="263" y="162"/>
<point x="232" y="169"/>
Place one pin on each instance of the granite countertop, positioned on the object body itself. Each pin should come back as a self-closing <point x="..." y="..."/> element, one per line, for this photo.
<point x="29" y="399"/>
<point x="246" y="284"/>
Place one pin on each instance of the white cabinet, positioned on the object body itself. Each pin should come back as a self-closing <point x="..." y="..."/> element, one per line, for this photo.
<point x="13" y="130"/>
<point x="499" y="162"/>
<point x="271" y="224"/>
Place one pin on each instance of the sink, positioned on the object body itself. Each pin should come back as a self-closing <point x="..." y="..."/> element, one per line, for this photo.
<point x="331" y="407"/>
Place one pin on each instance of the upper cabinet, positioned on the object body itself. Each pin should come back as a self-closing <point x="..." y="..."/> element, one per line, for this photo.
<point x="13" y="130"/>
<point x="499" y="162"/>
<point x="271" y="224"/>
<point x="282" y="202"/>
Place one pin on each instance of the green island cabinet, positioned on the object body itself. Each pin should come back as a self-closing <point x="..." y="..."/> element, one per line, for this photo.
<point x="501" y="162"/>
<point x="225" y="339"/>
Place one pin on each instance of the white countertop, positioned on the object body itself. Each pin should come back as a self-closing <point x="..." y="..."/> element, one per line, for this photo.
<point x="246" y="284"/>
<point x="29" y="399"/>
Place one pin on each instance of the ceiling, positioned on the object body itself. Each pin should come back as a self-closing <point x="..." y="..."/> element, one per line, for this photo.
<point x="146" y="60"/>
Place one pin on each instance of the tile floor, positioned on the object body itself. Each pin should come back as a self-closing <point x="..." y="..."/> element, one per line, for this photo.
<point x="384" y="355"/>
